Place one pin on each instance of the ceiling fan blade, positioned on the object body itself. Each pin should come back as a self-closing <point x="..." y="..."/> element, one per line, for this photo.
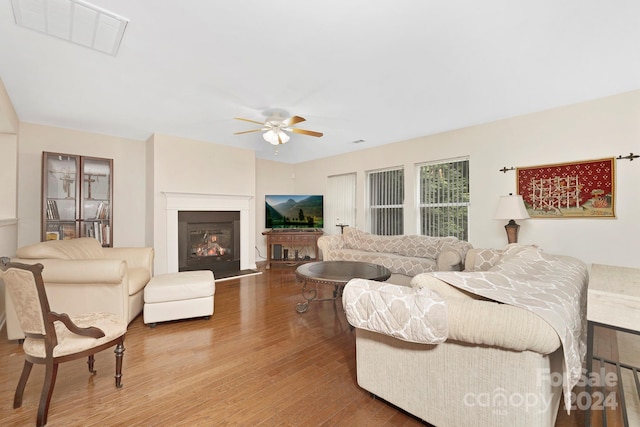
<point x="247" y="131"/>
<point x="294" y="120"/>
<point x="306" y="132"/>
<point x="248" y="120"/>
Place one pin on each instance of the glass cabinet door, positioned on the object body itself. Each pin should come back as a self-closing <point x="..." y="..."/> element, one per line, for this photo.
<point x="77" y="197"/>
<point x="60" y="203"/>
<point x="95" y="216"/>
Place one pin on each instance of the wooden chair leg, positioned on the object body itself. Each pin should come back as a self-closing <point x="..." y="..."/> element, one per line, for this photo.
<point x="26" y="370"/>
<point x="90" y="361"/>
<point x="50" y="375"/>
<point x="119" y="351"/>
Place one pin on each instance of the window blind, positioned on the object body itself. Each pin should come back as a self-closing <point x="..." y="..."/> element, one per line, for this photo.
<point x="444" y="198"/>
<point x="386" y="201"/>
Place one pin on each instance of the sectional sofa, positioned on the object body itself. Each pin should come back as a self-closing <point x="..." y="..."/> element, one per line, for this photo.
<point x="496" y="345"/>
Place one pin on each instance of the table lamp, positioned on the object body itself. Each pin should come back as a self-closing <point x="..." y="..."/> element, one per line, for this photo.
<point x="511" y="207"/>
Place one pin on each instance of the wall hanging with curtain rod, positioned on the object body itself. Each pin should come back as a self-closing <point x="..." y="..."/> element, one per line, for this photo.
<point x="630" y="157"/>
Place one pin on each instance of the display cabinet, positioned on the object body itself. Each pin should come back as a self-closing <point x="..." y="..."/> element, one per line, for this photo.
<point x="77" y="197"/>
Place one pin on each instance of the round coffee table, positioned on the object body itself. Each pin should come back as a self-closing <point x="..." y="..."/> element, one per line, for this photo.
<point x="336" y="274"/>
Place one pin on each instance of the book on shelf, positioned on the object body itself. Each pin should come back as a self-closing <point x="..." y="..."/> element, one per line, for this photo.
<point x="102" y="212"/>
<point x="52" y="235"/>
<point x="68" y="231"/>
<point x="99" y="231"/>
<point x="106" y="235"/>
<point x="89" y="230"/>
<point x="52" y="209"/>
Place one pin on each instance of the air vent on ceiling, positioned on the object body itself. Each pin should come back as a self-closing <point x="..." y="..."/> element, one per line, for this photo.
<point x="72" y="20"/>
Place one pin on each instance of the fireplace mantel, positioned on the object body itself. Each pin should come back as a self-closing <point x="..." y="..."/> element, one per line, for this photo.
<point x="205" y="202"/>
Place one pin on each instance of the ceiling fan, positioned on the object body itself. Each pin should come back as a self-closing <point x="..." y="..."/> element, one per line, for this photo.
<point x="276" y="125"/>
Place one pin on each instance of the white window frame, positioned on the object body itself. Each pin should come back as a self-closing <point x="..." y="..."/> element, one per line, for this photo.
<point x="393" y="204"/>
<point x="438" y="203"/>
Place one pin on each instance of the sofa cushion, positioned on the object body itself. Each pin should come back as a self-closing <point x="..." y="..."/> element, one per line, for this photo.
<point x="356" y="239"/>
<point x="359" y="240"/>
<point x="82" y="248"/>
<point x="406" y="245"/>
<point x="420" y="246"/>
<point x="478" y="320"/>
<point x="409" y="266"/>
<point x="501" y="325"/>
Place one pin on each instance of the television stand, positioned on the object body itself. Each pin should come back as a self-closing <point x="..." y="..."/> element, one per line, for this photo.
<point x="304" y="243"/>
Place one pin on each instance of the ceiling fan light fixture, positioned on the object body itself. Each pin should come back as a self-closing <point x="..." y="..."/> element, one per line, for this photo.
<point x="275" y="129"/>
<point x="275" y="137"/>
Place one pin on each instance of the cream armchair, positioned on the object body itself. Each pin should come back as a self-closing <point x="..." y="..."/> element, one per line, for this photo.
<point x="82" y="276"/>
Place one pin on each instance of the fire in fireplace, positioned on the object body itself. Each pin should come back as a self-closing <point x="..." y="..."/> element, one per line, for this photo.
<point x="209" y="240"/>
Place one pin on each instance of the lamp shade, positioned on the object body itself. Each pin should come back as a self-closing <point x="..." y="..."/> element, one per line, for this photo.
<point x="275" y="137"/>
<point x="511" y="207"/>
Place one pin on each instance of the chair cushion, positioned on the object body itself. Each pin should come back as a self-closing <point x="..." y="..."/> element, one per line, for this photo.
<point x="69" y="343"/>
<point x="81" y="248"/>
<point x="180" y="286"/>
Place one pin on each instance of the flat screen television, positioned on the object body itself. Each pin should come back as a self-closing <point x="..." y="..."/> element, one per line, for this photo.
<point x="294" y="211"/>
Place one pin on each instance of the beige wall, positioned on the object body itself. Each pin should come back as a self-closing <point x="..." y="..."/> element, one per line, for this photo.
<point x="128" y="178"/>
<point x="602" y="128"/>
<point x="8" y="174"/>
<point x="271" y="178"/>
<point x="9" y="126"/>
<point x="9" y="121"/>
<point x="188" y="166"/>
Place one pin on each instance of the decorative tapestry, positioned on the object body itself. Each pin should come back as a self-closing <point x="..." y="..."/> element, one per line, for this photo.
<point x="568" y="190"/>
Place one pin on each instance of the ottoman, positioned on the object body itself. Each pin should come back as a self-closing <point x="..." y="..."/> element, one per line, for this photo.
<point x="176" y="296"/>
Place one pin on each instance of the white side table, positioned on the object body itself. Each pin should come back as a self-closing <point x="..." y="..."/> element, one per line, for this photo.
<point x="613" y="302"/>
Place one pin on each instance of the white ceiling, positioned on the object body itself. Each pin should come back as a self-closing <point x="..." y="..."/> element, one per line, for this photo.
<point x="380" y="71"/>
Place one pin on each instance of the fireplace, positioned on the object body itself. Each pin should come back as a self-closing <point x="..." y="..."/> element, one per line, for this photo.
<point x="209" y="240"/>
<point x="167" y="257"/>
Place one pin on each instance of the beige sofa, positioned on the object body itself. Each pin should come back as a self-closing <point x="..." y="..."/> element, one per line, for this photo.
<point x="405" y="256"/>
<point x="82" y="276"/>
<point x="455" y="358"/>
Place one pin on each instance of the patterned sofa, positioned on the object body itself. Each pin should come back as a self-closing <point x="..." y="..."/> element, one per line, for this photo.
<point x="495" y="345"/>
<point x="404" y="256"/>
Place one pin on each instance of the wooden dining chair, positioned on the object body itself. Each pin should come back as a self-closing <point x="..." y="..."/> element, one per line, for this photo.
<point x="53" y="338"/>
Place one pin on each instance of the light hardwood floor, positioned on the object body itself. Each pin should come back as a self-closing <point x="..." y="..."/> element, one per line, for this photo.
<point x="255" y="362"/>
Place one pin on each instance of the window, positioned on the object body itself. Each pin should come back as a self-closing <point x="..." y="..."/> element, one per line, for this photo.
<point x="386" y="198"/>
<point x="340" y="203"/>
<point x="444" y="198"/>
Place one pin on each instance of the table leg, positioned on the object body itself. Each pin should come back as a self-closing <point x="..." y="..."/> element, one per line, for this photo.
<point x="587" y="387"/>
<point x="310" y="294"/>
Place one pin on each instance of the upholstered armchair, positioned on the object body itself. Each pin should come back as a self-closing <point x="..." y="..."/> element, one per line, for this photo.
<point x="53" y="338"/>
<point x="82" y="276"/>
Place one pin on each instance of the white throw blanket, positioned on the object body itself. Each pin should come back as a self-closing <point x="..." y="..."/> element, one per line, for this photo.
<point x="527" y="277"/>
